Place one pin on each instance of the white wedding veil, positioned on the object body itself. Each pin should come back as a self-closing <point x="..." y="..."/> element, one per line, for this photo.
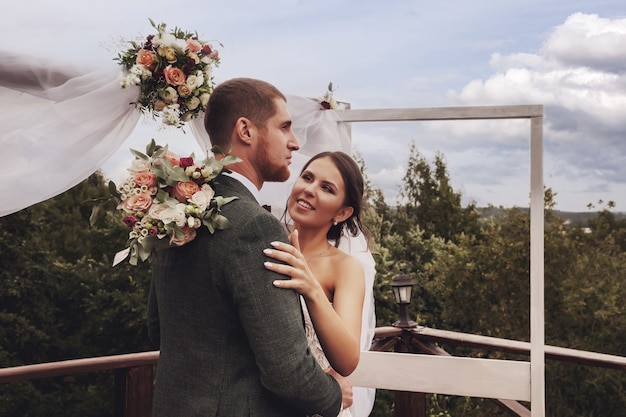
<point x="320" y="130"/>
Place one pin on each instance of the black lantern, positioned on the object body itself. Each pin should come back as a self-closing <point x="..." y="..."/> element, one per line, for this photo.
<point x="402" y="287"/>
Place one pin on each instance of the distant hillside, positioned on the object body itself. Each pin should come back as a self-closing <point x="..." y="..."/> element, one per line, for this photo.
<point x="575" y="218"/>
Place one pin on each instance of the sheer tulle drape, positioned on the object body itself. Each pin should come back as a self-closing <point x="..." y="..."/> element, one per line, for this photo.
<point x="59" y="125"/>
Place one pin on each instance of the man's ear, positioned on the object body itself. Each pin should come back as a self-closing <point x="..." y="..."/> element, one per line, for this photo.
<point x="244" y="128"/>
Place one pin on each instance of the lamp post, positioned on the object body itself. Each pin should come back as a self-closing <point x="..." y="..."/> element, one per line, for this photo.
<point x="402" y="287"/>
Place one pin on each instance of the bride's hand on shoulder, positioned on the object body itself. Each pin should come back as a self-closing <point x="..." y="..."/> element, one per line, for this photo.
<point x="302" y="279"/>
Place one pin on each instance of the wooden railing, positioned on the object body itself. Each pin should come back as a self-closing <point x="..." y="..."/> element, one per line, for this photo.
<point x="411" y="403"/>
<point x="133" y="378"/>
<point x="134" y="372"/>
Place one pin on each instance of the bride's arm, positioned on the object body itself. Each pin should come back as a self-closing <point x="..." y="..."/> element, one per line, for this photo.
<point x="338" y="326"/>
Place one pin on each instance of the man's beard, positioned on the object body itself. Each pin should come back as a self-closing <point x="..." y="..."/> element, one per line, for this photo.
<point x="270" y="172"/>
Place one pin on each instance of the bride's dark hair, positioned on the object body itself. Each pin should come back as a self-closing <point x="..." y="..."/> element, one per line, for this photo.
<point x="355" y="188"/>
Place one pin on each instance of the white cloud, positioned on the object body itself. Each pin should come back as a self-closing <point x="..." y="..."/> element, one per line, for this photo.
<point x="579" y="75"/>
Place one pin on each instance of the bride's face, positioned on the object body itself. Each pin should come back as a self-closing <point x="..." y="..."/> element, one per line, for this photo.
<point x="318" y="195"/>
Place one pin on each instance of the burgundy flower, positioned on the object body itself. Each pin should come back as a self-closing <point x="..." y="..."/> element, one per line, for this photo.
<point x="130" y="220"/>
<point x="153" y="231"/>
<point x="206" y="49"/>
<point x="186" y="162"/>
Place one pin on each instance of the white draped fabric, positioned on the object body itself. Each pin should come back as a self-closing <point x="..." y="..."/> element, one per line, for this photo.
<point x="61" y="123"/>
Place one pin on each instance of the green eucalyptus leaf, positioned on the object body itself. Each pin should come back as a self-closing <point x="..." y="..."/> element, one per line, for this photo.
<point x="217" y="150"/>
<point x="160" y="171"/>
<point x="96" y="213"/>
<point x="113" y="189"/>
<point x="151" y="147"/>
<point x="206" y="217"/>
<point x="139" y="155"/>
<point x="162" y="196"/>
<point x="230" y="159"/>
<point x="177" y="174"/>
<point x="160" y="152"/>
<point x="175" y="229"/>
<point x="144" y="251"/>
<point x="222" y="222"/>
<point x="220" y="201"/>
<point x="133" y="253"/>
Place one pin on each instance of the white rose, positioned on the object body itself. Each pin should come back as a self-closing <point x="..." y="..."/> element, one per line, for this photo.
<point x="192" y="82"/>
<point x="174" y="214"/>
<point x="155" y="211"/>
<point x="169" y="94"/>
<point x="145" y="73"/>
<point x="202" y="198"/>
<point x="193" y="103"/>
<point x="166" y="40"/>
<point x="204" y="99"/>
<point x="139" y="165"/>
<point x="170" y="119"/>
<point x="200" y="76"/>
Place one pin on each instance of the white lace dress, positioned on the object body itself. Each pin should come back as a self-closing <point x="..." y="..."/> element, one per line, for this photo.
<point x="316" y="348"/>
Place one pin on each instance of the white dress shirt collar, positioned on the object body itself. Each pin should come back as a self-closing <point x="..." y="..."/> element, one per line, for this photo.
<point x="246" y="183"/>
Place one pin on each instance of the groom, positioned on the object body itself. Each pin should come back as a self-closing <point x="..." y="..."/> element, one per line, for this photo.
<point x="231" y="343"/>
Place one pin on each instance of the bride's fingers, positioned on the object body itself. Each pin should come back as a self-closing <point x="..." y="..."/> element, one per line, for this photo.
<point x="293" y="283"/>
<point x="285" y="247"/>
<point x="287" y="284"/>
<point x="281" y="256"/>
<point x="294" y="238"/>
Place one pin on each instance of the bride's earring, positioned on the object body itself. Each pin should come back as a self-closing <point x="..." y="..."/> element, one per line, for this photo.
<point x="334" y="222"/>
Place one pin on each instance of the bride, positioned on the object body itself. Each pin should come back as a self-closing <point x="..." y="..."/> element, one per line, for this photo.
<point x="326" y="200"/>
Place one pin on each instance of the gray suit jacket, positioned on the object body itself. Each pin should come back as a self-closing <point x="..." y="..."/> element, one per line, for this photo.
<point x="231" y="343"/>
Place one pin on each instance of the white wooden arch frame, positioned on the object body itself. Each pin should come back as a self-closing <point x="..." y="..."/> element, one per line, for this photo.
<point x="484" y="378"/>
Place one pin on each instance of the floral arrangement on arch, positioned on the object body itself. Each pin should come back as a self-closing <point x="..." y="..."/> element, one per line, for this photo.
<point x="327" y="101"/>
<point x="166" y="198"/>
<point x="173" y="71"/>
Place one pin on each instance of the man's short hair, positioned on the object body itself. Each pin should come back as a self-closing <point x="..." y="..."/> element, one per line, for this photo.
<point x="235" y="98"/>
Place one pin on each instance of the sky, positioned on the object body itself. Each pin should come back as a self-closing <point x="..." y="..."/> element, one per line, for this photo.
<point x="567" y="55"/>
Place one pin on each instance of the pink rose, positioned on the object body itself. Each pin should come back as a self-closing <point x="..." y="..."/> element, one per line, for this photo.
<point x="193" y="45"/>
<point x="145" y="58"/>
<point x="190" y="234"/>
<point x="174" y="76"/>
<point x="173" y="158"/>
<point x="136" y="203"/>
<point x="146" y="178"/>
<point x="184" y="190"/>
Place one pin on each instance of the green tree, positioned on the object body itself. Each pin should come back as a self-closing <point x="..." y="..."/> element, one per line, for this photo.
<point x="62" y="299"/>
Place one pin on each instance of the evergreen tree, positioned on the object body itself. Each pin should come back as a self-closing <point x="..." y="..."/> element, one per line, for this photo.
<point x="62" y="299"/>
